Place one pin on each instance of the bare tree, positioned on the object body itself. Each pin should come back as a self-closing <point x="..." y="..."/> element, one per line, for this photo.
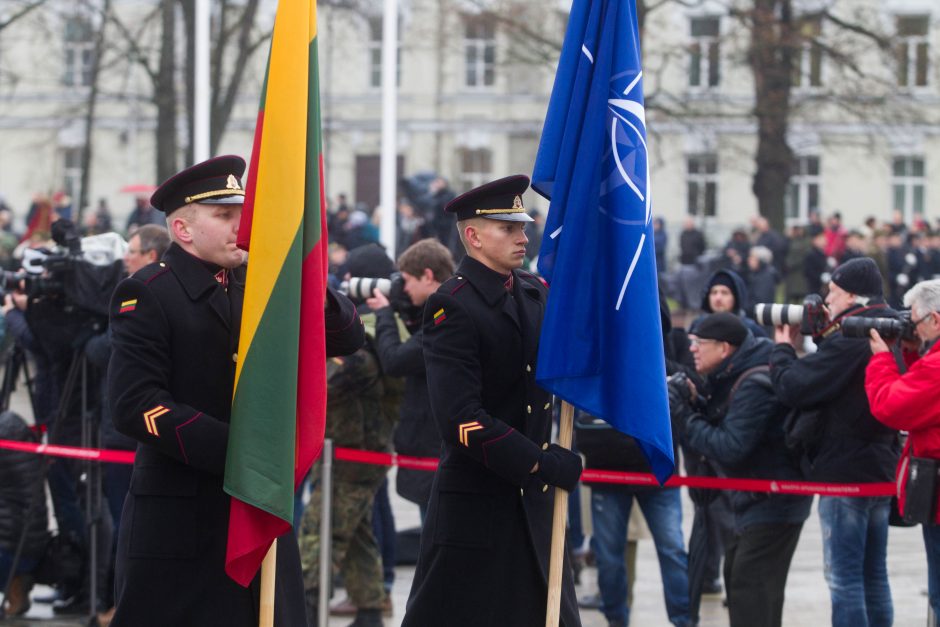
<point x="91" y="103"/>
<point x="235" y="41"/>
<point x="20" y="10"/>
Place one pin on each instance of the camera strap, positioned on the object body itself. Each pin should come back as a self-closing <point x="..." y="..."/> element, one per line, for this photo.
<point x="836" y="325"/>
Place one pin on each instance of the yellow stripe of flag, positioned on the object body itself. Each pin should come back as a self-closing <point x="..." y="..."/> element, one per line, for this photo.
<point x="279" y="194"/>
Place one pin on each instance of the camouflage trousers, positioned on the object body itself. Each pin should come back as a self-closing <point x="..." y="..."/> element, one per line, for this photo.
<point x="355" y="551"/>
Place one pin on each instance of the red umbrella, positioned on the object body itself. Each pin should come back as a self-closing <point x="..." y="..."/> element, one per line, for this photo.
<point x="139" y="188"/>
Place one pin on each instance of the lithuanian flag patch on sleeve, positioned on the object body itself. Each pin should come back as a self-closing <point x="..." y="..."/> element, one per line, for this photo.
<point x="439" y="316"/>
<point x="128" y="306"/>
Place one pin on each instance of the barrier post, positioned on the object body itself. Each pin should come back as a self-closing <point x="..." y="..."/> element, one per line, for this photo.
<point x="326" y="537"/>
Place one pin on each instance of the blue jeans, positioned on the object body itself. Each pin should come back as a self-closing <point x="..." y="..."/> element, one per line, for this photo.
<point x="662" y="508"/>
<point x="932" y="544"/>
<point x="855" y="546"/>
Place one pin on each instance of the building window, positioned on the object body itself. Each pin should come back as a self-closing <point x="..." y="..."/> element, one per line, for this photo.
<point x="72" y="172"/>
<point x="807" y="70"/>
<point x="479" y="51"/>
<point x="79" y="52"/>
<point x="908" y="186"/>
<point x="476" y="167"/>
<point x="802" y="195"/>
<point x="375" y="53"/>
<point x="912" y="50"/>
<point x="704" y="53"/>
<point x="702" y="180"/>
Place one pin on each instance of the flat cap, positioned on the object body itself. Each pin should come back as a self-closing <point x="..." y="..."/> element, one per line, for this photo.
<point x="723" y="327"/>
<point x="497" y="200"/>
<point x="216" y="181"/>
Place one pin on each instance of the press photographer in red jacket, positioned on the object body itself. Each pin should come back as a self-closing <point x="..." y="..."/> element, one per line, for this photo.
<point x="910" y="401"/>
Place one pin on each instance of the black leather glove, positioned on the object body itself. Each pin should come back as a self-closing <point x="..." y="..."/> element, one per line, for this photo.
<point x="559" y="467"/>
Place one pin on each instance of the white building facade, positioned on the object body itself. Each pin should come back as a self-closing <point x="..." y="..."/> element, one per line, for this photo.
<point x="474" y="81"/>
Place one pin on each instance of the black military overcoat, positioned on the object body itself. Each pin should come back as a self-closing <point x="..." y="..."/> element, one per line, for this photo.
<point x="486" y="541"/>
<point x="175" y="346"/>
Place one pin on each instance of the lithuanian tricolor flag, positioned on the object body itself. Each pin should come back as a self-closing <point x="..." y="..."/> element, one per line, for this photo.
<point x="279" y="404"/>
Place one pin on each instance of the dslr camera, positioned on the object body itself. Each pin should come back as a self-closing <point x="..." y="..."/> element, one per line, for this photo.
<point x="811" y="316"/>
<point x="888" y="328"/>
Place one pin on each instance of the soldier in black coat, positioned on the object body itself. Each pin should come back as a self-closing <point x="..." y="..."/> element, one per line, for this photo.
<point x="175" y="328"/>
<point x="485" y="545"/>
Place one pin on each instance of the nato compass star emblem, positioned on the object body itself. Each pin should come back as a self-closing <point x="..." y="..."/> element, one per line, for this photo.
<point x="625" y="198"/>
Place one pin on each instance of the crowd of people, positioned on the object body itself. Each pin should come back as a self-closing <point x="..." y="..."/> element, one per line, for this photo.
<point x="429" y="376"/>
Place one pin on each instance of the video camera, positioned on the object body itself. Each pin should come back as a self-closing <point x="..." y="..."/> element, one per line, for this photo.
<point x="69" y="295"/>
<point x="811" y="315"/>
<point x="888" y="328"/>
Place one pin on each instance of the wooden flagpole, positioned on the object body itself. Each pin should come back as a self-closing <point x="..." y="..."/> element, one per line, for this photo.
<point x="559" y="519"/>
<point x="268" y="568"/>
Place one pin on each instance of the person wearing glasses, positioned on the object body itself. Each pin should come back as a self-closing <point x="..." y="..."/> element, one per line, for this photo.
<point x="852" y="446"/>
<point x="734" y="423"/>
<point x="911" y="401"/>
<point x="146" y="246"/>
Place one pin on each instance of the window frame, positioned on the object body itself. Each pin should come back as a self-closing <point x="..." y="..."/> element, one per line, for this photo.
<point x="908" y="49"/>
<point x="77" y="53"/>
<point x="482" y="44"/>
<point x="804" y="183"/>
<point x="908" y="184"/>
<point x="470" y="178"/>
<point x="700" y="184"/>
<point x="704" y="55"/>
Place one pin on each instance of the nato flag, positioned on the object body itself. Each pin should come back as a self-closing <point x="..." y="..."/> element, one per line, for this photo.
<point x="601" y="347"/>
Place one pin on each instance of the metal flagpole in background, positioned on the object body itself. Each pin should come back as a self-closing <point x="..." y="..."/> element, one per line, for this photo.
<point x="389" y="160"/>
<point x="326" y="532"/>
<point x="201" y="84"/>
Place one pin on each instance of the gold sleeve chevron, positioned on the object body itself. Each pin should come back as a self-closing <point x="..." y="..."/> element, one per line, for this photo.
<point x="150" y="419"/>
<point x="464" y="430"/>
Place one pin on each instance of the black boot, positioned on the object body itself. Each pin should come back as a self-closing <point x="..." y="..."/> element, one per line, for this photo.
<point x="368" y="618"/>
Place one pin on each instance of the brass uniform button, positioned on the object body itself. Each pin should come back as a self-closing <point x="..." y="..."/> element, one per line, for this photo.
<point x="547" y="405"/>
<point x="545" y="488"/>
<point x="235" y="357"/>
<point x="528" y="368"/>
<point x="545" y="446"/>
<point x="528" y="409"/>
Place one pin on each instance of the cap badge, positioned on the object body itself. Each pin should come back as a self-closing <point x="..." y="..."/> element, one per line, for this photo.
<point x="232" y="182"/>
<point x="517" y="202"/>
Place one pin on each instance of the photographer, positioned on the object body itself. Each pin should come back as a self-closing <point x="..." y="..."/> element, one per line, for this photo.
<point x="911" y="401"/>
<point x="851" y="446"/>
<point x="737" y="426"/>
<point x="424" y="266"/>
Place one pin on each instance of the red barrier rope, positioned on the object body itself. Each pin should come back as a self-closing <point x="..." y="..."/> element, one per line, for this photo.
<point x="429" y="464"/>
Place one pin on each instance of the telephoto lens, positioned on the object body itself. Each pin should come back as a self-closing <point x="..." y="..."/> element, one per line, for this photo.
<point x="774" y="314"/>
<point x="360" y="288"/>
<point x="888" y="328"/>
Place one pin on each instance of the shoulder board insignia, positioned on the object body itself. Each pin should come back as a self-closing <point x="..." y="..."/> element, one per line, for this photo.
<point x="439" y="316"/>
<point x="465" y="429"/>
<point x="128" y="306"/>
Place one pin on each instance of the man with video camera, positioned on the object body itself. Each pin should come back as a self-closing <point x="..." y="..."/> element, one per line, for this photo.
<point x="911" y="401"/>
<point x="424" y="266"/>
<point x="849" y="446"/>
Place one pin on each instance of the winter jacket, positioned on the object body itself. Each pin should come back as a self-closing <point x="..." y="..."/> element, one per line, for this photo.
<point x="854" y="447"/>
<point x="762" y="284"/>
<point x="21" y="485"/>
<point x="691" y="246"/>
<point x="745" y="438"/>
<point x="910" y="402"/>
<point x="740" y="299"/>
<point x="416" y="433"/>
